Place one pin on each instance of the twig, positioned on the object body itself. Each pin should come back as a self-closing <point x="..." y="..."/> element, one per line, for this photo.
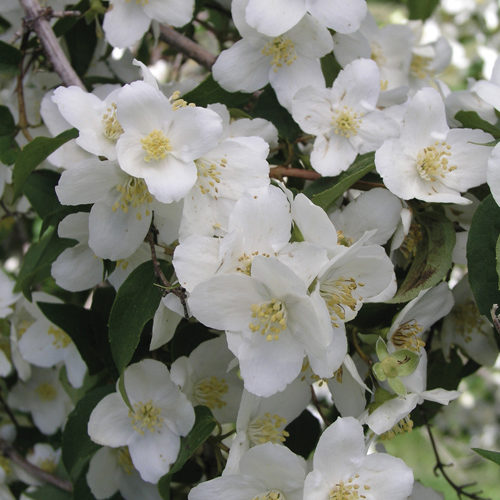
<point x="9" y="412"/>
<point x="440" y="466"/>
<point x="36" y="19"/>
<point x="10" y="452"/>
<point x="282" y="171"/>
<point x="186" y="46"/>
<point x="179" y="291"/>
<point x="23" y="119"/>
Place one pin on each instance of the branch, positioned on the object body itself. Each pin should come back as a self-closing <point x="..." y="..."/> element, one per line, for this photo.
<point x="36" y="19"/>
<point x="186" y="46"/>
<point x="10" y="452"/>
<point x="282" y="171"/>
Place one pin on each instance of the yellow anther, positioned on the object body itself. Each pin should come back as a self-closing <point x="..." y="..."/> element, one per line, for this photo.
<point x="347" y="490"/>
<point x="281" y="50"/>
<point x="156" y="145"/>
<point x="346" y="122"/>
<point x="270" y="319"/>
<point x="124" y="460"/>
<point x="268" y="428"/>
<point x="210" y="392"/>
<point x="112" y="128"/>
<point x="209" y="175"/>
<point x="406" y="336"/>
<point x="271" y="495"/>
<point x="377" y="54"/>
<point x="338" y="296"/>
<point x="46" y="392"/>
<point x="145" y="416"/>
<point x="134" y="192"/>
<point x="48" y="465"/>
<point x="467" y="321"/>
<point x="419" y="66"/>
<point x="342" y="239"/>
<point x="61" y="339"/>
<point x="432" y="162"/>
<point x="404" y="426"/>
<point x="410" y="244"/>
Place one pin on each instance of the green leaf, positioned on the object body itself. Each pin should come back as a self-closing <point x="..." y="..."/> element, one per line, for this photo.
<point x="421" y="9"/>
<point x="201" y="431"/>
<point x="433" y="257"/>
<point x="135" y="304"/>
<point x="482" y="255"/>
<point x="494" y="456"/>
<point x="77" y="323"/>
<point x="471" y="119"/>
<point x="7" y="123"/>
<point x="48" y="492"/>
<point x="8" y="149"/>
<point x="304" y="433"/>
<point x="497" y="252"/>
<point x="34" y="153"/>
<point x="38" y="260"/>
<point x="39" y="188"/>
<point x="337" y="186"/>
<point x="81" y="41"/>
<point x="77" y="447"/>
<point x="268" y="107"/>
<point x="209" y="91"/>
<point x="330" y="68"/>
<point x="10" y="57"/>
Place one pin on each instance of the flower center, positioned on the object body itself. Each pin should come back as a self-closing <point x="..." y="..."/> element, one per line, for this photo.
<point x="145" y="416"/>
<point x="271" y="495"/>
<point x="432" y="161"/>
<point x="410" y="244"/>
<point x="468" y="321"/>
<point x="406" y="336"/>
<point x="419" y="66"/>
<point x="339" y="296"/>
<point x="270" y="319"/>
<point x="209" y="175"/>
<point x="281" y="50"/>
<point x="377" y="54"/>
<point x="347" y="490"/>
<point x="344" y="240"/>
<point x="156" y="145"/>
<point x="46" y="392"/>
<point x="245" y="261"/>
<point x="124" y="460"/>
<point x="346" y="122"/>
<point x="404" y="426"/>
<point x="61" y="338"/>
<point x="48" y="465"/>
<point x="134" y="192"/>
<point x="112" y="128"/>
<point x="210" y="391"/>
<point x="269" y="428"/>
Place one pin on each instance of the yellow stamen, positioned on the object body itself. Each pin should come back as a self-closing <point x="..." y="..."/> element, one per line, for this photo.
<point x="269" y="428"/>
<point x="432" y="161"/>
<point x="406" y="336"/>
<point x="112" y="128"/>
<point x="281" y="50"/>
<point x="210" y="392"/>
<point x="145" y="416"/>
<point x="346" y="122"/>
<point x="46" y="392"/>
<point x="348" y="490"/>
<point x="61" y="339"/>
<point x="156" y="145"/>
<point x="270" y="319"/>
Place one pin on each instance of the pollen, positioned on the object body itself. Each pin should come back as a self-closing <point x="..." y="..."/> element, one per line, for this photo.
<point x="339" y="297"/>
<point x="419" y="66"/>
<point x="377" y="54"/>
<point x="125" y="460"/>
<point x="268" y="428"/>
<point x="281" y="50"/>
<point x="156" y="145"/>
<point x="406" y="336"/>
<point x="348" y="490"/>
<point x="269" y="319"/>
<point x="344" y="240"/>
<point x="346" y="122"/>
<point x="432" y="162"/>
<point x="46" y="392"/>
<point x="245" y="261"/>
<point x="271" y="495"/>
<point x="405" y="425"/>
<point x="133" y="193"/>
<point x="112" y="128"/>
<point x="209" y="176"/>
<point x="48" y="465"/>
<point x="210" y="392"/>
<point x="145" y="417"/>
<point x="410" y="244"/>
<point x="467" y="321"/>
<point x="61" y="338"/>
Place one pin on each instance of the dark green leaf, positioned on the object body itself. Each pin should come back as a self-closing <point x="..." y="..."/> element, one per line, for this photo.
<point x="81" y="41"/>
<point x="337" y="186"/>
<point x="209" y="91"/>
<point x="48" y="492"/>
<point x="77" y="447"/>
<point x="201" y="431"/>
<point x="470" y="119"/>
<point x="66" y="23"/>
<point x="497" y="252"/>
<point x="135" y="304"/>
<point x="10" y="57"/>
<point x="494" y="456"/>
<point x="7" y="123"/>
<point x="421" y="9"/>
<point x="81" y="490"/>
<point x="38" y="260"/>
<point x="187" y="337"/>
<point x="77" y="323"/>
<point x="433" y="257"/>
<point x="34" y="153"/>
<point x="304" y="434"/>
<point x="8" y="149"/>
<point x="481" y="255"/>
<point x="269" y="108"/>
<point x="330" y="68"/>
<point x="39" y="189"/>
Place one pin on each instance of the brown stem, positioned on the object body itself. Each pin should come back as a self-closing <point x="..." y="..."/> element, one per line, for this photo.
<point x="36" y="19"/>
<point x="10" y="452"/>
<point x="23" y="119"/>
<point x="282" y="171"/>
<point x="440" y="466"/>
<point x="187" y="46"/>
<point x="179" y="291"/>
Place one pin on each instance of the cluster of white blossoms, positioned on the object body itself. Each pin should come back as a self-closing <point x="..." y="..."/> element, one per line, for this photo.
<point x="276" y="282"/>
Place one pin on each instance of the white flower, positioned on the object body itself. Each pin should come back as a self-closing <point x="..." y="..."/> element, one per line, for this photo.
<point x="429" y="161"/>
<point x="159" y="415"/>
<point x="266" y="472"/>
<point x="489" y="90"/>
<point x="7" y="295"/>
<point x="126" y="21"/>
<point x="159" y="143"/>
<point x="341" y="468"/>
<point x="343" y="118"/>
<point x="275" y="18"/>
<point x="288" y="61"/>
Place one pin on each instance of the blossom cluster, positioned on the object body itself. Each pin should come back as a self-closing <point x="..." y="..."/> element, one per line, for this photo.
<point x="295" y="297"/>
